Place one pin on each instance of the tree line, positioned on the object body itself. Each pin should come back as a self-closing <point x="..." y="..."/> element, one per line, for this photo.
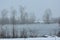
<point x="23" y="18"/>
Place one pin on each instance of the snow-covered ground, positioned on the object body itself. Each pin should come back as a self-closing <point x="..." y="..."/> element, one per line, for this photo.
<point x="49" y="38"/>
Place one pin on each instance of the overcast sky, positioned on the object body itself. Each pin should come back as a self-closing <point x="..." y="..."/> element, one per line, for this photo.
<point x="33" y="6"/>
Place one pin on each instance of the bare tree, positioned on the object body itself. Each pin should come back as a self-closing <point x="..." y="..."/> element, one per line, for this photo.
<point x="13" y="21"/>
<point x="22" y="11"/>
<point x="24" y="15"/>
<point x="3" y="13"/>
<point x="32" y="18"/>
<point x="47" y="16"/>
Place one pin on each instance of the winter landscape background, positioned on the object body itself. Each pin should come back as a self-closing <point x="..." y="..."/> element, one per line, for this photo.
<point x="30" y="19"/>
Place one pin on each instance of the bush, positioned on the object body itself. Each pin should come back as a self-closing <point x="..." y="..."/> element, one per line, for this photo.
<point x="23" y="33"/>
